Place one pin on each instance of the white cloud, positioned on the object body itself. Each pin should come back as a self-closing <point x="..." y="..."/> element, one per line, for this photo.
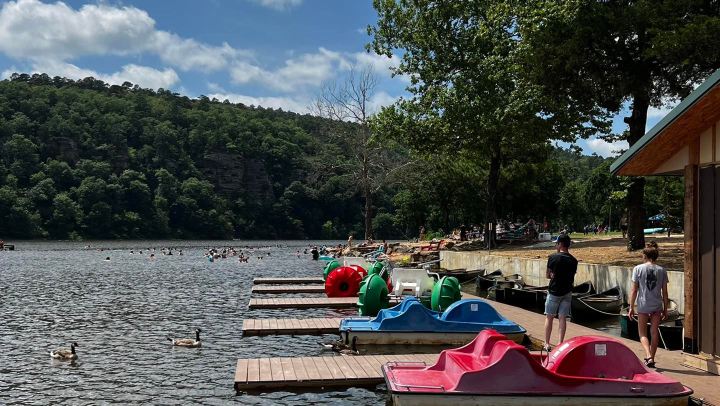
<point x="286" y="103"/>
<point x="279" y="4"/>
<point x="303" y="71"/>
<point x="380" y="100"/>
<point x="604" y="148"/>
<point x="143" y="76"/>
<point x="30" y="29"/>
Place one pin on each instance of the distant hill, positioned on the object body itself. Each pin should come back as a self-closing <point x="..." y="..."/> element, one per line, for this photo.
<point x="92" y="160"/>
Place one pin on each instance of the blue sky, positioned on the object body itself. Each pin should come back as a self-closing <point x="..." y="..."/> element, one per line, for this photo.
<point x="274" y="53"/>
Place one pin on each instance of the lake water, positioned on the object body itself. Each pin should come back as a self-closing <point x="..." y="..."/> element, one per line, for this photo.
<point x="120" y="312"/>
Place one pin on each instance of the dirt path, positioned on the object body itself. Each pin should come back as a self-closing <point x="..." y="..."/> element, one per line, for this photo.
<point x="610" y="251"/>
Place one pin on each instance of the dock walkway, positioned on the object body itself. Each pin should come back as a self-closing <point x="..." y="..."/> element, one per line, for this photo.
<point x="288" y="289"/>
<point x="248" y="374"/>
<point x="265" y="327"/>
<point x="286" y="281"/>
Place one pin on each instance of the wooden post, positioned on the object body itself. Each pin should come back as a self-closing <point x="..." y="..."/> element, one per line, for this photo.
<point x="691" y="263"/>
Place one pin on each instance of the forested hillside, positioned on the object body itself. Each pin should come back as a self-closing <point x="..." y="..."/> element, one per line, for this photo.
<point x="83" y="159"/>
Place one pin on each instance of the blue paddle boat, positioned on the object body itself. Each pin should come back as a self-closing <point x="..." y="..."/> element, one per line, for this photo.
<point x="412" y="323"/>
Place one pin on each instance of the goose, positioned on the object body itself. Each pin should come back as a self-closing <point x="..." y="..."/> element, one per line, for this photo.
<point x="64" y="354"/>
<point x="187" y="342"/>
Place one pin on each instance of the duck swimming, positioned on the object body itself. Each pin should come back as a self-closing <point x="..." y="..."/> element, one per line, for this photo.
<point x="64" y="354"/>
<point x="187" y="342"/>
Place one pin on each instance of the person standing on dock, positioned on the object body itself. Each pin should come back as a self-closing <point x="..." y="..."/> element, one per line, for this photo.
<point x="561" y="269"/>
<point x="649" y="291"/>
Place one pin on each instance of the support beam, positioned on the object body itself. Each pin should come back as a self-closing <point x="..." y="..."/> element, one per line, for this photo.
<point x="691" y="262"/>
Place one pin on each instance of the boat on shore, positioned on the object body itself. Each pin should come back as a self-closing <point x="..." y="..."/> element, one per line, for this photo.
<point x="598" y="305"/>
<point x="412" y="323"/>
<point x="525" y="296"/>
<point x="493" y="370"/>
<point x="462" y="275"/>
<point x="485" y="280"/>
<point x="528" y="296"/>
<point x="671" y="329"/>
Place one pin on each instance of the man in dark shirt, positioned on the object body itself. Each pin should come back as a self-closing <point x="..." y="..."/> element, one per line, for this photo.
<point x="561" y="268"/>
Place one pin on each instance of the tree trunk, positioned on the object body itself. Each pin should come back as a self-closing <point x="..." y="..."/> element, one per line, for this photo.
<point x="636" y="190"/>
<point x="490" y="207"/>
<point x="368" y="213"/>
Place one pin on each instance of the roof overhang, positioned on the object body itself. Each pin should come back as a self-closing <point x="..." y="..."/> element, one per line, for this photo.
<point x="682" y="125"/>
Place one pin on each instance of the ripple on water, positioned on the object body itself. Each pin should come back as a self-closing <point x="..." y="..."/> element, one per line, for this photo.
<point x="120" y="312"/>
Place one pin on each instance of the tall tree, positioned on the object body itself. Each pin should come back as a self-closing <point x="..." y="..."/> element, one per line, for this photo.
<point x="602" y="56"/>
<point x="467" y="92"/>
<point x="372" y="162"/>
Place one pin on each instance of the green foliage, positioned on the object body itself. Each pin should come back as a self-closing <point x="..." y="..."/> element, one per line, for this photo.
<point x="87" y="160"/>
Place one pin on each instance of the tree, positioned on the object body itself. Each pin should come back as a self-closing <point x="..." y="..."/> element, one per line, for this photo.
<point x="602" y="56"/>
<point x="371" y="162"/>
<point x="468" y="94"/>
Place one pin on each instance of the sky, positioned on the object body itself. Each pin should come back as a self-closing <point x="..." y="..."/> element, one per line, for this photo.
<point x="270" y="53"/>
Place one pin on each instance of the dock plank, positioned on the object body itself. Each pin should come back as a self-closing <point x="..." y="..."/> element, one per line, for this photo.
<point x="261" y="289"/>
<point x="311" y="369"/>
<point x="265" y="372"/>
<point x="241" y="370"/>
<point x="276" y="369"/>
<point x="253" y="374"/>
<point x="299" y="369"/>
<point x="288" y="369"/>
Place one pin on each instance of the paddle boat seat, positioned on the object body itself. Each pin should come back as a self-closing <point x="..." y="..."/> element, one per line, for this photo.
<point x="574" y="358"/>
<point x="414" y="282"/>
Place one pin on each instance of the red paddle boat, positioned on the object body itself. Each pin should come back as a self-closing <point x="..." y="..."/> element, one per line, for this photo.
<point x="494" y="370"/>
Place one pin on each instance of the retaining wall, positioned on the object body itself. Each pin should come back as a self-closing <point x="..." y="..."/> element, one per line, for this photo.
<point x="533" y="272"/>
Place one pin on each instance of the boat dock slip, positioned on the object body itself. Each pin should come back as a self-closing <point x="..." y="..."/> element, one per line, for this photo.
<point x="317" y="372"/>
<point x="286" y="281"/>
<point x="289" y="289"/>
<point x="264" y="327"/>
<point x="305" y="302"/>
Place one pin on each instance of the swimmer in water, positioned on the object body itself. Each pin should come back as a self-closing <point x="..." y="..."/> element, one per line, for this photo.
<point x="107" y="258"/>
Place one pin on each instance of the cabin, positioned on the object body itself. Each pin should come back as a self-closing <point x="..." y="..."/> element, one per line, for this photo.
<point x="686" y="143"/>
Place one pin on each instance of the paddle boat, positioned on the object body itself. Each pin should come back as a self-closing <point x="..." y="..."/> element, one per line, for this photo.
<point x="412" y="323"/>
<point x="493" y="370"/>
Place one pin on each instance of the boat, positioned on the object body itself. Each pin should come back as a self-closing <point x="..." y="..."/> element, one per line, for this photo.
<point x="462" y="275"/>
<point x="525" y="296"/>
<point x="485" y="281"/>
<point x="493" y="370"/>
<point x="603" y="304"/>
<point x="412" y="323"/>
<point x="671" y="329"/>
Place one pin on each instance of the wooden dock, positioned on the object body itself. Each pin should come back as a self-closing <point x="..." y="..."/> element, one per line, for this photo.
<point x="288" y="289"/>
<point x="264" y="327"/>
<point x="316" y="372"/>
<point x="286" y="281"/>
<point x="247" y="376"/>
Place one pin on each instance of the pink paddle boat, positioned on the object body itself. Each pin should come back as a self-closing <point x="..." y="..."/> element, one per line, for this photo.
<point x="494" y="370"/>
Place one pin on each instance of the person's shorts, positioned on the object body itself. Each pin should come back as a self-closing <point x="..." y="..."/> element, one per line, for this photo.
<point x="558" y="305"/>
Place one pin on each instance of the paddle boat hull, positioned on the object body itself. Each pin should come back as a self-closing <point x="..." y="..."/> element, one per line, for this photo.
<point x="411" y="399"/>
<point x="493" y="370"/>
<point x="416" y="338"/>
<point x="412" y="323"/>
